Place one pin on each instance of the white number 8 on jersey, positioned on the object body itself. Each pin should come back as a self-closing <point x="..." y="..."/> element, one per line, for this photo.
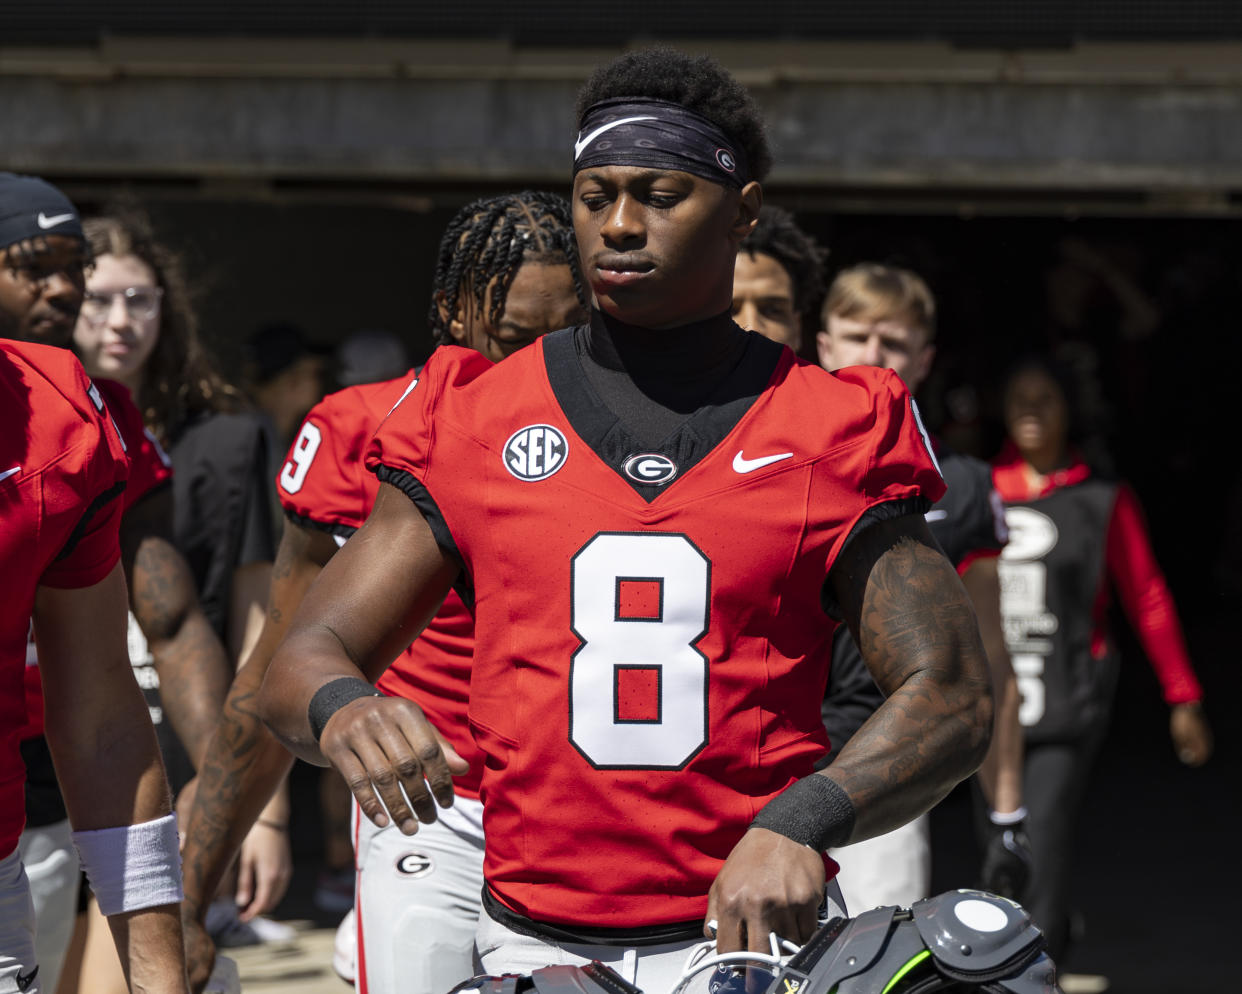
<point x="638" y="685"/>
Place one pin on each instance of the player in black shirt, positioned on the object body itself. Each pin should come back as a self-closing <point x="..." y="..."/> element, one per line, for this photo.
<point x="884" y="316"/>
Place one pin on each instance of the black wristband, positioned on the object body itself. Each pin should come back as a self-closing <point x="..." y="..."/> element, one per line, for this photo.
<point x="333" y="696"/>
<point x="814" y="811"/>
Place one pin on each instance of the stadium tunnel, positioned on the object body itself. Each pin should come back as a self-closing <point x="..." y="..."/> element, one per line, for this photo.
<point x="1056" y="181"/>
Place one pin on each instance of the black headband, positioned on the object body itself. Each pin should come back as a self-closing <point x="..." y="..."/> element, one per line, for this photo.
<point x="33" y="208"/>
<point x="638" y="131"/>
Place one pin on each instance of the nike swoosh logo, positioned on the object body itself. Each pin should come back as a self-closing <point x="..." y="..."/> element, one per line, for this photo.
<point x="46" y="222"/>
<point x="938" y="515"/>
<point x="580" y="145"/>
<point x="413" y="384"/>
<point x="25" y="980"/>
<point x="743" y="465"/>
<point x="9" y="472"/>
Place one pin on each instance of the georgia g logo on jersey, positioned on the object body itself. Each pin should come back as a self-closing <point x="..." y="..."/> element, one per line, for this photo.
<point x="650" y="467"/>
<point x="535" y="452"/>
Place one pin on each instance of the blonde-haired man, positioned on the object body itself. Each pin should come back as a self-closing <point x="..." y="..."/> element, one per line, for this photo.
<point x="878" y="315"/>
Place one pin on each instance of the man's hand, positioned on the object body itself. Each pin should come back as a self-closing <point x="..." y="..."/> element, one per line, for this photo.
<point x="769" y="883"/>
<point x="200" y="951"/>
<point x="387" y="750"/>
<point x="1192" y="735"/>
<point x="264" y="869"/>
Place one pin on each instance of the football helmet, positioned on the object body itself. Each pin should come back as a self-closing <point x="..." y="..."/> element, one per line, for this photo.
<point x="962" y="940"/>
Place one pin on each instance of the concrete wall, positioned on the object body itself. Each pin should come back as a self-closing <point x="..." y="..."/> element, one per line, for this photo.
<point x="1163" y="119"/>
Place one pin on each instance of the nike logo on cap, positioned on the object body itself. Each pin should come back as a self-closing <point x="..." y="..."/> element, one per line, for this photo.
<point x="9" y="472"/>
<point x="583" y="143"/>
<point x="743" y="465"/>
<point x="46" y="222"/>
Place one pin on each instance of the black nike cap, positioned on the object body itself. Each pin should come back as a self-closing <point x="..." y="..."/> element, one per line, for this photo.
<point x="31" y="208"/>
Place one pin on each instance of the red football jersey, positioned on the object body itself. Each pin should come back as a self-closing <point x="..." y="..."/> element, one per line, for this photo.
<point x="647" y="671"/>
<point x="62" y="473"/>
<point x="324" y="484"/>
<point x="149" y="468"/>
<point x="149" y="465"/>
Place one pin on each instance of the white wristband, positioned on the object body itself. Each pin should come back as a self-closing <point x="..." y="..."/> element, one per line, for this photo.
<point x="133" y="866"/>
<point x="1007" y="817"/>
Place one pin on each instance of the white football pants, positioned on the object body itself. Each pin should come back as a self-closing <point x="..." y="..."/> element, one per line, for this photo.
<point x="18" y="964"/>
<point x="417" y="902"/>
<point x="894" y="868"/>
<point x="54" y="873"/>
<point x="655" y="969"/>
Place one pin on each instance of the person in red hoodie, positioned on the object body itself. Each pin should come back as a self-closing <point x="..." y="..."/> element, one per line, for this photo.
<point x="1075" y="537"/>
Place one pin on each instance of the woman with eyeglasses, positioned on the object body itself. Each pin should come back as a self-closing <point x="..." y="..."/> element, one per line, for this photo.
<point x="137" y="326"/>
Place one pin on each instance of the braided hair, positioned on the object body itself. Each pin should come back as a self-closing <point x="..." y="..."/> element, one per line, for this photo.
<point x="487" y="242"/>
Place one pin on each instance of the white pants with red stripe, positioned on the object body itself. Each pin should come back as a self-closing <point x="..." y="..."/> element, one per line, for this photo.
<point x="417" y="902"/>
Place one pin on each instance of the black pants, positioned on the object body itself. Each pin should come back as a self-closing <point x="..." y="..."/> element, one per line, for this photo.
<point x="1055" y="778"/>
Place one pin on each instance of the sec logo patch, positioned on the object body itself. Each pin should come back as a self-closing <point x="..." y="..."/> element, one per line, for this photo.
<point x="535" y="452"/>
<point x="414" y="864"/>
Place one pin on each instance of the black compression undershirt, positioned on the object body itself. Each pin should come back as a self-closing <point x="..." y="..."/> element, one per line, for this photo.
<point x="654" y="380"/>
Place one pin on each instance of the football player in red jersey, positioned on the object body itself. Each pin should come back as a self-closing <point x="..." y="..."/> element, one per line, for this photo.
<point x="64" y="473"/>
<point x="40" y="296"/>
<point x="878" y="315"/>
<point x="507" y="273"/>
<point x="656" y="533"/>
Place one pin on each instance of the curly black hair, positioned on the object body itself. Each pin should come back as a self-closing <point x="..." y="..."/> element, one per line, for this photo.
<point x="698" y="82"/>
<point x="488" y="240"/>
<point x="778" y="235"/>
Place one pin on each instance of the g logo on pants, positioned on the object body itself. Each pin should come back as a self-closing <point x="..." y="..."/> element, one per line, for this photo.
<point x="414" y="864"/>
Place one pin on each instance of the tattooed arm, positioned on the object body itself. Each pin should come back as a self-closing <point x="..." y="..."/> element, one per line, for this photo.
<point x="912" y="620"/>
<point x="244" y="763"/>
<point x="915" y="626"/>
<point x="190" y="661"/>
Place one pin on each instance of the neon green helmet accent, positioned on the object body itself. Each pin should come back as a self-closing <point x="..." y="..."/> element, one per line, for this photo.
<point x="913" y="962"/>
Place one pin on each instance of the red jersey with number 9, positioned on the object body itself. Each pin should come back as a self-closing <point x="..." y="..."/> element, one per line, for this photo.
<point x="651" y="646"/>
<point x="323" y="484"/>
<point x="62" y="472"/>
